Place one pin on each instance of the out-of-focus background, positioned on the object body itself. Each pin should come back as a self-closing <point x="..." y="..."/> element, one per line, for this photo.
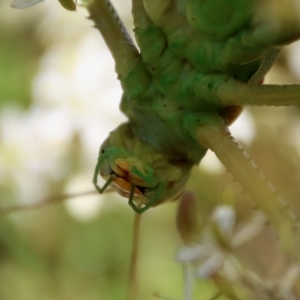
<point x="59" y="99"/>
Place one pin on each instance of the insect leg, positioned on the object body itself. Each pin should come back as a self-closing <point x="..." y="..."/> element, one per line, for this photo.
<point x="95" y="179"/>
<point x="130" y="200"/>
<point x="152" y="202"/>
<point x="166" y="67"/>
<point x="274" y="23"/>
<point x="131" y="71"/>
<point x="217" y="138"/>
<point x="114" y="33"/>
<point x="235" y="92"/>
<point x="223" y="91"/>
<point x="151" y="40"/>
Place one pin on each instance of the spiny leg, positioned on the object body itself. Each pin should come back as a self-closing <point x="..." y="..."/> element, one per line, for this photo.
<point x="217" y="138"/>
<point x="113" y="32"/>
<point x="131" y="71"/>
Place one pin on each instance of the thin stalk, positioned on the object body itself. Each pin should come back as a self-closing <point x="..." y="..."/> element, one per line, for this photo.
<point x="188" y="282"/>
<point x="47" y="201"/>
<point x="133" y="284"/>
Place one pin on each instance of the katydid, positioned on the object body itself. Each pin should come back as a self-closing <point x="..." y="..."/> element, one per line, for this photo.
<point x="198" y="63"/>
<point x="195" y="67"/>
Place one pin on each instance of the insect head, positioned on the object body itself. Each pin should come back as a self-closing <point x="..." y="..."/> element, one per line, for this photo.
<point x="139" y="172"/>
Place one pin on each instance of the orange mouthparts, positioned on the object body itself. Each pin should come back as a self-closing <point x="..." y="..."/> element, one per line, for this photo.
<point x="123" y="187"/>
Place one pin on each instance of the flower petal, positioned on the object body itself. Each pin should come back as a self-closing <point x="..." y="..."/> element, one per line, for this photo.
<point x="224" y="218"/>
<point x="192" y="253"/>
<point x="250" y="230"/>
<point x="290" y="278"/>
<point x="213" y="264"/>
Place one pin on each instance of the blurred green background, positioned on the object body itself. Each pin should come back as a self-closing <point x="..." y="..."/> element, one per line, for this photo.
<point x="59" y="99"/>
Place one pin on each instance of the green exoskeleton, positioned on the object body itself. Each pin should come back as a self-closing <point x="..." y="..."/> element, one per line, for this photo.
<point x="198" y="63"/>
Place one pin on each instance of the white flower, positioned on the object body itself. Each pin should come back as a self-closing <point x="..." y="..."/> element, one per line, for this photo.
<point x="217" y="241"/>
<point x="212" y="257"/>
<point x="213" y="252"/>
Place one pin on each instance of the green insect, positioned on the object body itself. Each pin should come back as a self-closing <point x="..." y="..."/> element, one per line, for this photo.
<point x="196" y="67"/>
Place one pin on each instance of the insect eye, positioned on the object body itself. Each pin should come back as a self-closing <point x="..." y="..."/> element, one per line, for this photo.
<point x="102" y="151"/>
